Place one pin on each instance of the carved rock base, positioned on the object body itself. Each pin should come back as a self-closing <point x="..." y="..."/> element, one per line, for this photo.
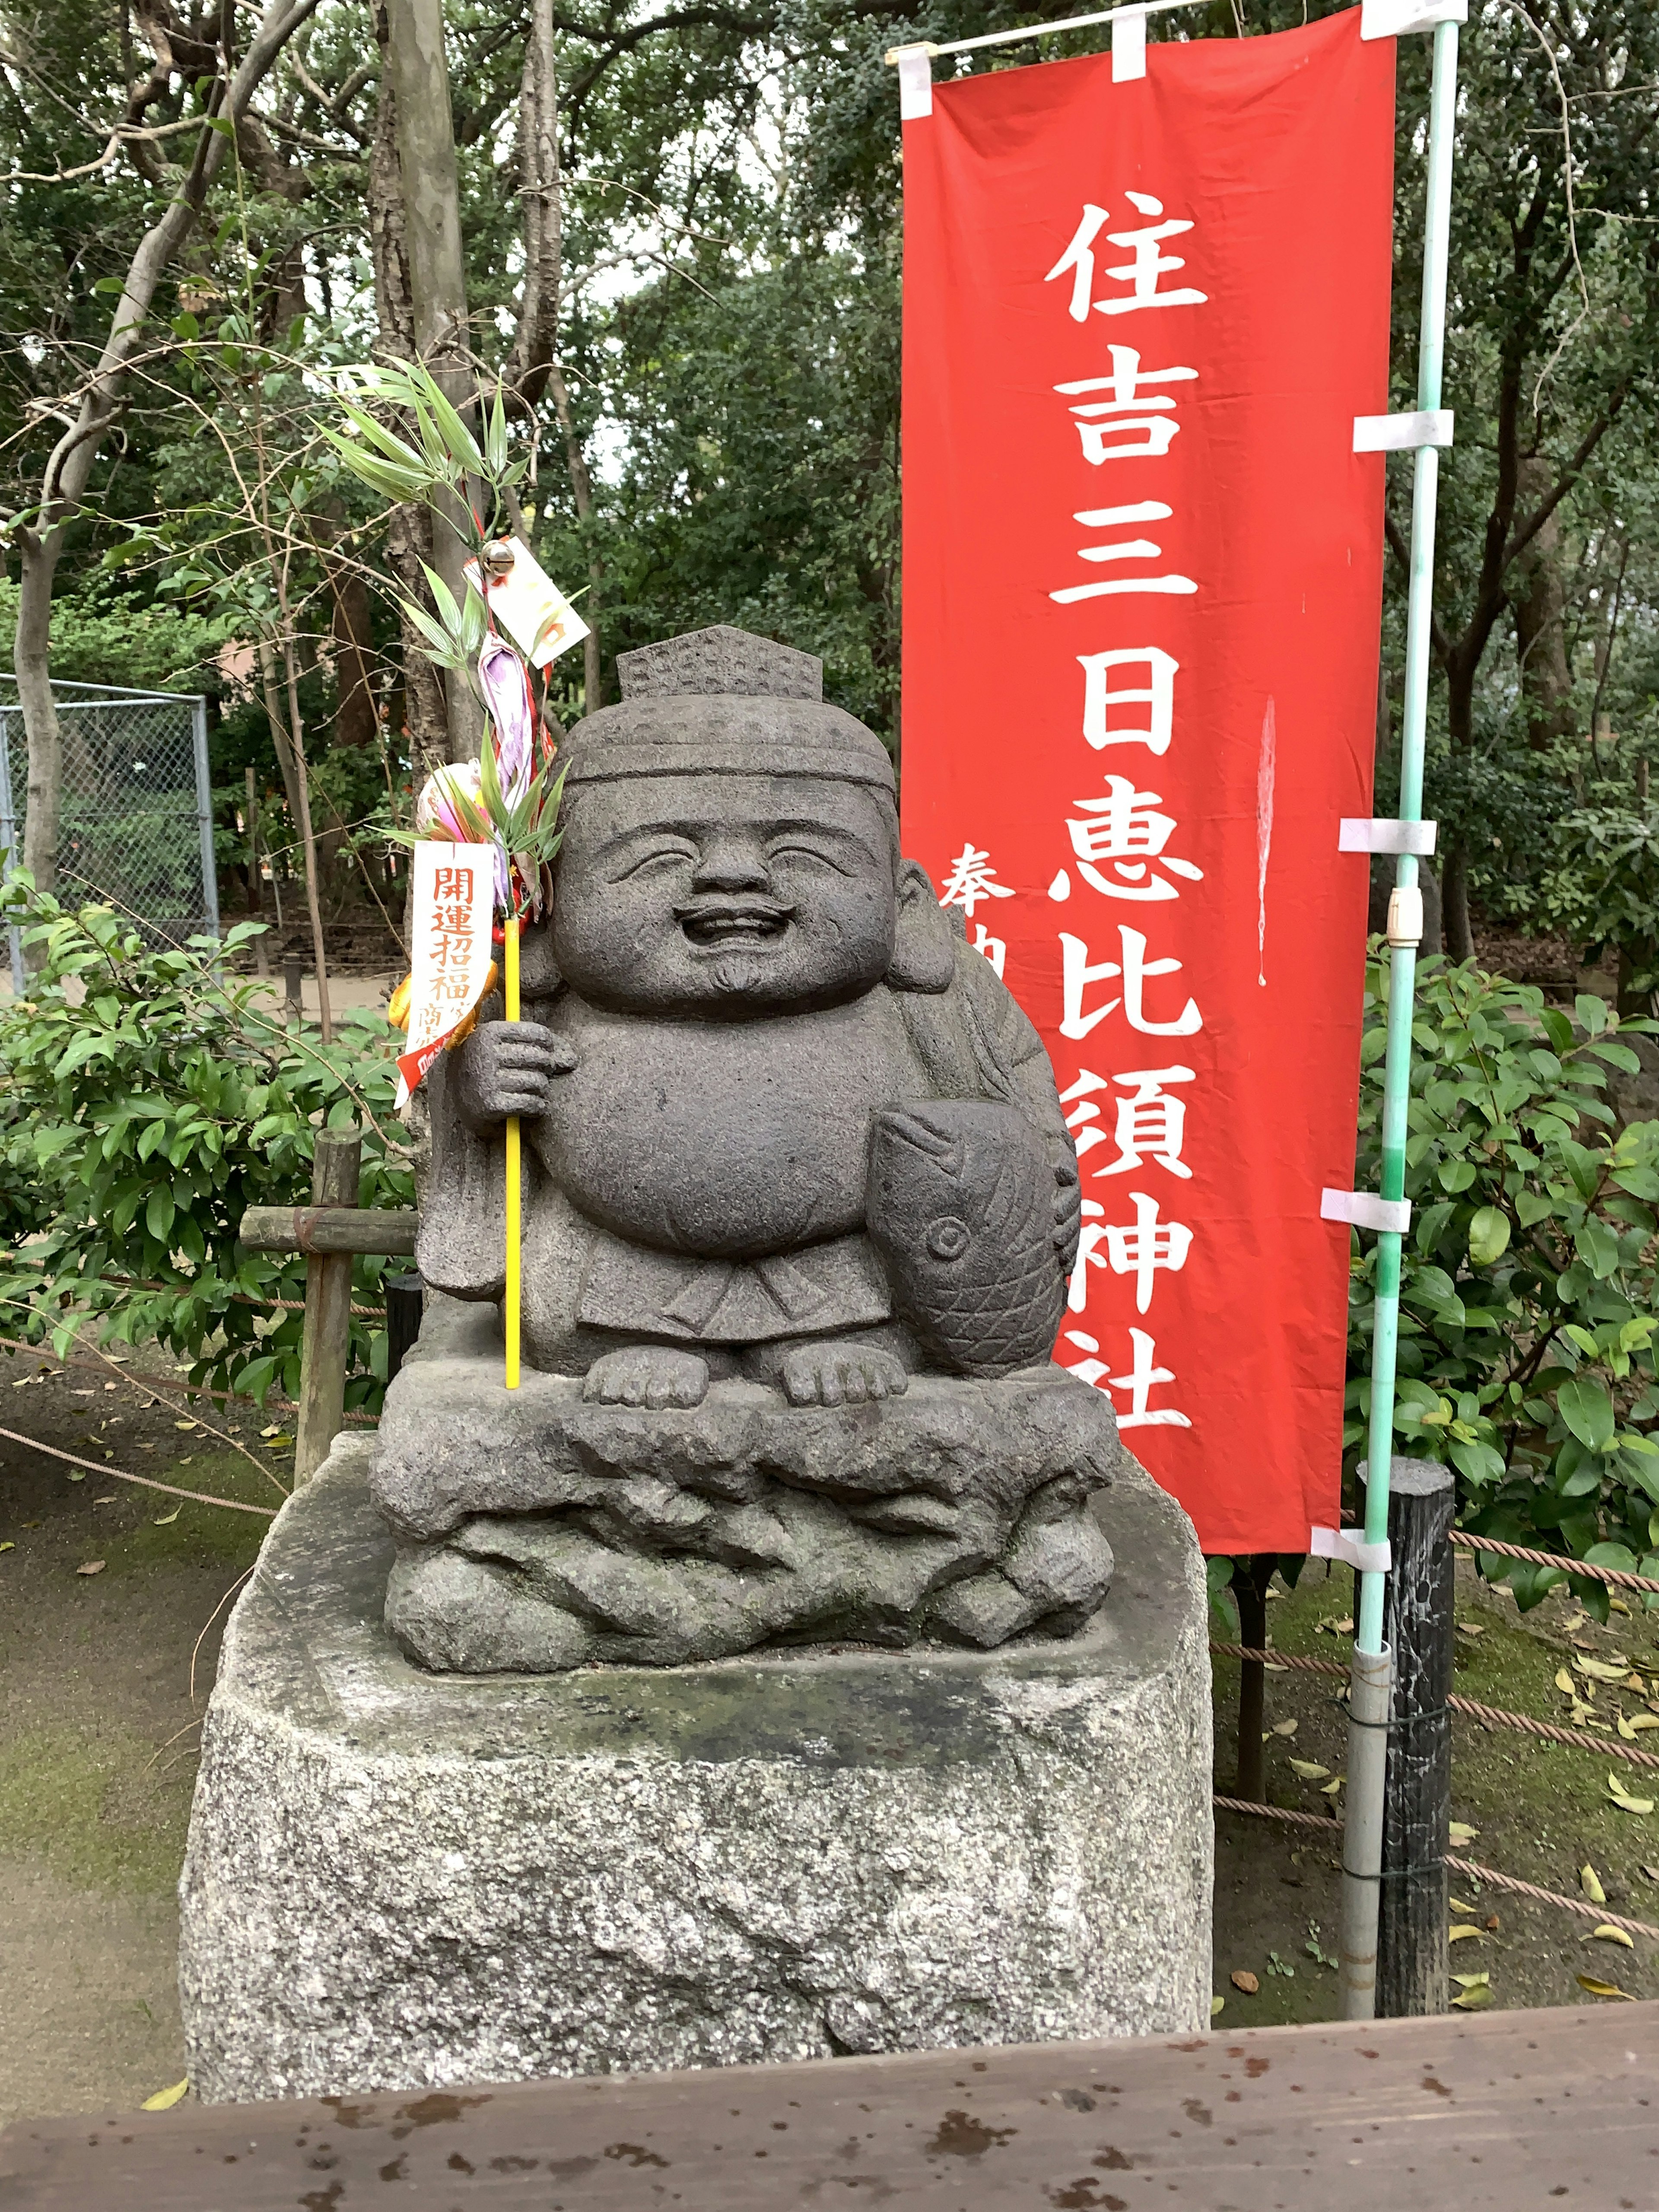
<point x="538" y="1531"/>
<point x="398" y="1880"/>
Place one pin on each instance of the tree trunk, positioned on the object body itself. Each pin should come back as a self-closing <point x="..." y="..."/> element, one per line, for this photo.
<point x="419" y="78"/>
<point x="68" y="469"/>
<point x="1538" y="597"/>
<point x="32" y="660"/>
<point x="409" y="531"/>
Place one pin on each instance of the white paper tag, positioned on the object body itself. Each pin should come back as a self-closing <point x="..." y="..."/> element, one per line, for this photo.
<point x="525" y="602"/>
<point x="452" y="909"/>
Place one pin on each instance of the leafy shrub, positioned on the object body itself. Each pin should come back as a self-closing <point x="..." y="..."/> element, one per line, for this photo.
<point x="146" y="1099"/>
<point x="1604" y="889"/>
<point x="1528" y="1295"/>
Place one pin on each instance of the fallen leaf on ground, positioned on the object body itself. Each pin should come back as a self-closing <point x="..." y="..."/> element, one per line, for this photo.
<point x="1491" y="1924"/>
<point x="1216" y="2004"/>
<point x="1336" y="1627"/>
<point x="1329" y="1789"/>
<point x="1308" y="1769"/>
<point x="1631" y="1728"/>
<point x="8" y="1547"/>
<point x="1470" y="1981"/>
<point x="1243" y="1978"/>
<point x="275" y="1429"/>
<point x="1603" y="1670"/>
<point x="1603" y="1988"/>
<point x="1471" y="1628"/>
<point x="278" y="1443"/>
<point x="1584" y="1716"/>
<point x="1463" y="1931"/>
<point x="1461" y="1904"/>
<point x="164" y="2100"/>
<point x="1607" y="1933"/>
<point x="1475" y="1998"/>
<point x="91" y="1567"/>
<point x="1622" y="1798"/>
<point x="166" y="1520"/>
<point x="1284" y="1728"/>
<point x="186" y="1424"/>
<point x="1461" y="1832"/>
<point x="1565" y="1682"/>
<point x="1651" y="1871"/>
<point x="1590" y="1882"/>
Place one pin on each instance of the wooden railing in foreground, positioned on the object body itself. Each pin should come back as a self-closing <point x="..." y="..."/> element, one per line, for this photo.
<point x="1514" y="2109"/>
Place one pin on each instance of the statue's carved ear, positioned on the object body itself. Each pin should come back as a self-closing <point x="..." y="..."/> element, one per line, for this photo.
<point x="924" y="950"/>
<point x="539" y="974"/>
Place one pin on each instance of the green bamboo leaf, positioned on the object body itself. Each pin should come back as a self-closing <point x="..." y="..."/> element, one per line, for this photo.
<point x="496" y="436"/>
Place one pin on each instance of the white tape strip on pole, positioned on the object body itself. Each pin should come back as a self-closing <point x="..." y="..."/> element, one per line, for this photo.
<point x="1128" y="46"/>
<point x="1402" y="434"/>
<point x="1384" y="835"/>
<point x="1393" y="19"/>
<point x="915" y="77"/>
<point x="1364" y="1209"/>
<point x="1345" y="1544"/>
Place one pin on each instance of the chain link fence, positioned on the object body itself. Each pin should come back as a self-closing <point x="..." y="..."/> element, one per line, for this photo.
<point x="136" y="830"/>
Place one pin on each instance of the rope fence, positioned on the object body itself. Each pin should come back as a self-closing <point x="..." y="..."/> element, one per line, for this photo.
<point x="1491" y="1716"/>
<point x="157" y="1388"/>
<point x="1615" y="1578"/>
<point x="1332" y="1824"/>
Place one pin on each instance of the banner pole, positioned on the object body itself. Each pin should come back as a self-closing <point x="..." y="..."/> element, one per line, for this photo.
<point x="510" y="1301"/>
<point x="1369" y="1702"/>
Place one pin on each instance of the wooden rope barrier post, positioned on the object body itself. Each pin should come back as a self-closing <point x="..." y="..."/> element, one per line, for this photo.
<point x="1419" y="1627"/>
<point x="328" y="1231"/>
<point x="404" y="1299"/>
<point x="325" y="1348"/>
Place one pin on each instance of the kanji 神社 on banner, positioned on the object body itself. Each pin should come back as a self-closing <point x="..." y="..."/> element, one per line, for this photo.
<point x="1142" y="574"/>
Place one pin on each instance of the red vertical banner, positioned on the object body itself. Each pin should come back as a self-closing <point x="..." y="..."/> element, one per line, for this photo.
<point x="1142" y="587"/>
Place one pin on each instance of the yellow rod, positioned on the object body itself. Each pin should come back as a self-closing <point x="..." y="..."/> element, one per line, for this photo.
<point x="515" y="1227"/>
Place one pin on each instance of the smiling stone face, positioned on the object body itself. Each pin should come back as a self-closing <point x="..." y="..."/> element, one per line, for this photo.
<point x="724" y="896"/>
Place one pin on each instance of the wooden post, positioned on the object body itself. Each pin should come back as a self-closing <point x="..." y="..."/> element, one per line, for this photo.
<point x="291" y="992"/>
<point x="404" y="1299"/>
<point x="328" y="1309"/>
<point x="1419" y="1630"/>
<point x="1249" y="1586"/>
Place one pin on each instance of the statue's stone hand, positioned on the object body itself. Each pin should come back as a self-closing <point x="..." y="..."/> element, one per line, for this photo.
<point x="508" y="1068"/>
<point x="650" y="1375"/>
<point x="831" y="1374"/>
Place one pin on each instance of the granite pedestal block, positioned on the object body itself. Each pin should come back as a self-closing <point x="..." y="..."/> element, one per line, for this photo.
<point x="398" y="1880"/>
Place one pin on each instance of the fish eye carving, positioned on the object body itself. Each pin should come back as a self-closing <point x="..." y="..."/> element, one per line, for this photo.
<point x="947" y="1238"/>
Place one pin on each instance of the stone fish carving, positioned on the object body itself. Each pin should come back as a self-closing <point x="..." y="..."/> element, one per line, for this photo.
<point x="800" y="1205"/>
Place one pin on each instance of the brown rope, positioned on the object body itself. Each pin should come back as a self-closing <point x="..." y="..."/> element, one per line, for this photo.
<point x="144" y="1481"/>
<point x="1279" y="1659"/>
<point x="156" y="1386"/>
<point x="1454" y="1865"/>
<point x="1579" y="1739"/>
<point x="1615" y="1577"/>
<point x="1331" y="1822"/>
<point x="1547" y="1896"/>
<point x="1490" y="1716"/>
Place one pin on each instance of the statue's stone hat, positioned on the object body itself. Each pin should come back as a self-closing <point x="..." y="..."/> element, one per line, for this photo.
<point x="721" y="702"/>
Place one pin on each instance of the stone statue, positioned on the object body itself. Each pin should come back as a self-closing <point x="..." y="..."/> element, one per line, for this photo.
<point x="800" y="1208"/>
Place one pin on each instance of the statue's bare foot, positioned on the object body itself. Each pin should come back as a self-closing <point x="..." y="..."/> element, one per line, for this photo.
<point x="840" y="1374"/>
<point x="647" y="1375"/>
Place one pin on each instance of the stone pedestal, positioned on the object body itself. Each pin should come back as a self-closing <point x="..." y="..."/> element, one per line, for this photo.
<point x="398" y="1880"/>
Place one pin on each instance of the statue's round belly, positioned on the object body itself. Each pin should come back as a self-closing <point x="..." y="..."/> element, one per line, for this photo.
<point x="730" y="1141"/>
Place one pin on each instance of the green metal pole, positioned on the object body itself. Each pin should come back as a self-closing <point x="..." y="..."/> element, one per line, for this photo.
<point x="1396" y="1066"/>
<point x="1371" y="1692"/>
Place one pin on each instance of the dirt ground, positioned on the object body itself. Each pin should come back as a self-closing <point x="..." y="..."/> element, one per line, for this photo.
<point x="98" y="1722"/>
<point x="104" y="1677"/>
